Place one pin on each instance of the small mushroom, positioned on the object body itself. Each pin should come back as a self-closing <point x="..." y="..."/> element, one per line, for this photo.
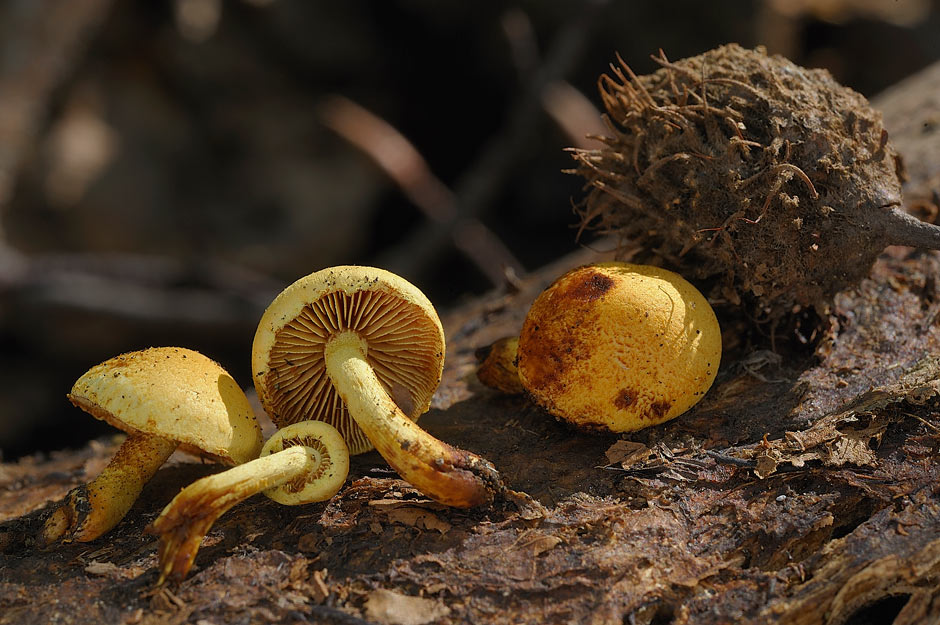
<point x="164" y="398"/>
<point x="301" y="463"/>
<point x="619" y="347"/>
<point x="498" y="367"/>
<point x="363" y="349"/>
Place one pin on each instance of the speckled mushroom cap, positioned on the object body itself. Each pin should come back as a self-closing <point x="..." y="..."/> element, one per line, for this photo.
<point x="619" y="347"/>
<point x="177" y="394"/>
<point x="400" y="326"/>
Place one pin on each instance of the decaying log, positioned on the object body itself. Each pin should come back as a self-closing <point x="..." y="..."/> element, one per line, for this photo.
<point x="803" y="489"/>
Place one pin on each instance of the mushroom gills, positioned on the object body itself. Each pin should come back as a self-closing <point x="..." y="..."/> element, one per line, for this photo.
<point x="364" y="349"/>
<point x="295" y="374"/>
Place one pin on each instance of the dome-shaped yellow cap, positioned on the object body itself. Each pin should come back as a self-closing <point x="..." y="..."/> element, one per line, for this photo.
<point x="174" y="393"/>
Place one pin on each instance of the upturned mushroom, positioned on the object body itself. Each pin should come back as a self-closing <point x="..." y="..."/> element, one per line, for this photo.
<point x="363" y="349"/>
<point x="619" y="347"/>
<point x="164" y="398"/>
<point x="305" y="462"/>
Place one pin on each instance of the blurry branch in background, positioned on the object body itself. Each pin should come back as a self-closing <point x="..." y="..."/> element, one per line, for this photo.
<point x="402" y="162"/>
<point x="148" y="288"/>
<point x="198" y="20"/>
<point x="40" y="43"/>
<point x="477" y="188"/>
<point x="137" y="287"/>
<point x="575" y="115"/>
<point x="572" y="111"/>
<point x="779" y="22"/>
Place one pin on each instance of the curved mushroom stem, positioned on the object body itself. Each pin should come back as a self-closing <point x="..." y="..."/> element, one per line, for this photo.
<point x="186" y="520"/>
<point x="92" y="509"/>
<point x="902" y="228"/>
<point x="444" y="473"/>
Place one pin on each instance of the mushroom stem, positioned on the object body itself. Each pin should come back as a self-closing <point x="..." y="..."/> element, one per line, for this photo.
<point x="904" y="229"/>
<point x="92" y="509"/>
<point x="444" y="473"/>
<point x="186" y="520"/>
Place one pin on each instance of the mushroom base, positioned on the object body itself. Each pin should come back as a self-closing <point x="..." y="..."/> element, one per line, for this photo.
<point x="92" y="509"/>
<point x="444" y="473"/>
<point x="187" y="519"/>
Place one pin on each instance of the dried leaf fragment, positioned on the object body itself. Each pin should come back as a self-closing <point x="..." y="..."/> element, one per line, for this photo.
<point x="391" y="608"/>
<point x="539" y="544"/>
<point x="627" y="453"/>
<point x="416" y="517"/>
<point x="102" y="568"/>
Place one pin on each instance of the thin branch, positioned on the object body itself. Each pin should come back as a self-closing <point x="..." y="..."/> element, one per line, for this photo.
<point x="574" y="114"/>
<point x="402" y="162"/>
<point x="39" y="42"/>
<point x="142" y="288"/>
<point x="476" y="190"/>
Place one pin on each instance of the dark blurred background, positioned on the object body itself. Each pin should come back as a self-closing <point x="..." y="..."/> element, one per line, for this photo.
<point x="166" y="168"/>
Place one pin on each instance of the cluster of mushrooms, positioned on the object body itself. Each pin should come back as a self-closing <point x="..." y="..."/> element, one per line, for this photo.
<point x="345" y="360"/>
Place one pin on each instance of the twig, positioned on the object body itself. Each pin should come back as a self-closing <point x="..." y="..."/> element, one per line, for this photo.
<point x="143" y="288"/>
<point x="732" y="460"/>
<point x="924" y="421"/>
<point x="402" y="162"/>
<point x="572" y="111"/>
<point x="477" y="188"/>
<point x="39" y="41"/>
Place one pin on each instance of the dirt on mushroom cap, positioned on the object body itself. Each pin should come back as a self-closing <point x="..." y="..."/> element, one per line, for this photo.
<point x="177" y="394"/>
<point x="619" y="347"/>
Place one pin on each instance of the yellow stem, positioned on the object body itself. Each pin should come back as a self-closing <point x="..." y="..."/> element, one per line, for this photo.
<point x="92" y="509"/>
<point x="186" y="520"/>
<point x="444" y="473"/>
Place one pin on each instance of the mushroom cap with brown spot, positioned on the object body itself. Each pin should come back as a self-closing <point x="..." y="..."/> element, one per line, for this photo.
<point x="400" y="326"/>
<point x="619" y="347"/>
<point x="174" y="393"/>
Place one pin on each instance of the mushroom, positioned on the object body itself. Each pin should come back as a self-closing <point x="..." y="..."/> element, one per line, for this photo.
<point x="363" y="349"/>
<point x="619" y="347"/>
<point x="498" y="367"/>
<point x="301" y="463"/>
<point x="164" y="398"/>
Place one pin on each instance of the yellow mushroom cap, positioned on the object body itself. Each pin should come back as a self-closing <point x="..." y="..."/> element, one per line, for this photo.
<point x="399" y="325"/>
<point x="174" y="393"/>
<point x="326" y="445"/>
<point x="619" y="347"/>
